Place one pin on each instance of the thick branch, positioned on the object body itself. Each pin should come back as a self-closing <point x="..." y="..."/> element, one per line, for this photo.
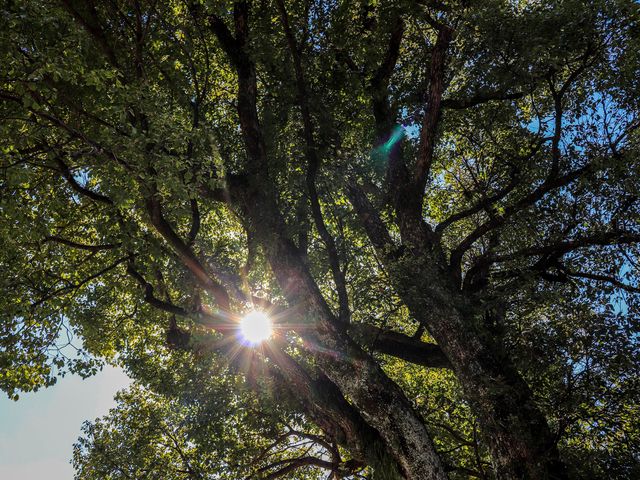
<point x="399" y="345"/>
<point x="375" y="228"/>
<point x="380" y="82"/>
<point x="432" y="108"/>
<point x="226" y="39"/>
<point x="234" y="47"/>
<point x="327" y="407"/>
<point x="186" y="254"/>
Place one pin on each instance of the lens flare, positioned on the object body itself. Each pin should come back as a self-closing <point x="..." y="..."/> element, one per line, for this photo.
<point x="255" y="327"/>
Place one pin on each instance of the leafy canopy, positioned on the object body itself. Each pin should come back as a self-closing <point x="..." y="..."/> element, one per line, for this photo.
<point x="133" y="217"/>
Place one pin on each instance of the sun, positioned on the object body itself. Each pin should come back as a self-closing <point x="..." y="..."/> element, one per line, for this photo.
<point x="255" y="327"/>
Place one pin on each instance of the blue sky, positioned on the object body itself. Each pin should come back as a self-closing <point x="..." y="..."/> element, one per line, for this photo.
<point x="38" y="431"/>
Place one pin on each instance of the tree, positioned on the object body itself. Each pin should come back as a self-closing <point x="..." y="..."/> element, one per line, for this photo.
<point x="436" y="202"/>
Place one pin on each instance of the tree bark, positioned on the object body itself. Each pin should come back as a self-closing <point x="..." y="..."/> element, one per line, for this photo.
<point x="514" y="428"/>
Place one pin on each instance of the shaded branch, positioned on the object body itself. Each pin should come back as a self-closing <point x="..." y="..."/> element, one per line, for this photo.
<point x="325" y="404"/>
<point x="234" y="46"/>
<point x="195" y="222"/>
<point x="186" y="254"/>
<point x="73" y="183"/>
<point x="432" y="107"/>
<point x="375" y="228"/>
<point x="399" y="345"/>
<point x="77" y="285"/>
<point x="150" y="298"/>
<point x="92" y="26"/>
<point x="559" y="110"/>
<point x="379" y="83"/>
<point x="81" y="246"/>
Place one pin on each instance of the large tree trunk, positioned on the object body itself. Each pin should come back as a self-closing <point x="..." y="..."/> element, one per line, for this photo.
<point x="516" y="431"/>
<point x="514" y="428"/>
<point x="321" y="400"/>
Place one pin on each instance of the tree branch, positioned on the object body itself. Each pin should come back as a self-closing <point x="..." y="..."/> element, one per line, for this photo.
<point x="432" y="107"/>
<point x="150" y="298"/>
<point x="81" y="246"/>
<point x="399" y="345"/>
<point x="195" y="222"/>
<point x="68" y="176"/>
<point x="604" y="278"/>
<point x="247" y="86"/>
<point x="481" y="205"/>
<point x="375" y="228"/>
<point x="497" y="221"/>
<point x="186" y="254"/>
<point x="615" y="237"/>
<point x="380" y="82"/>
<point x="93" y="27"/>
<point x="313" y="165"/>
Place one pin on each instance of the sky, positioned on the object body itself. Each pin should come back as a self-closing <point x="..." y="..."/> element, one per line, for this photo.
<point x="38" y="431"/>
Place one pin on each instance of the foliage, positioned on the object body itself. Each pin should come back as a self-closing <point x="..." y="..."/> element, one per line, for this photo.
<point x="436" y="202"/>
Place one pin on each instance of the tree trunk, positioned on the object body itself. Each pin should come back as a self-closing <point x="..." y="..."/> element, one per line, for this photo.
<point x="514" y="428"/>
